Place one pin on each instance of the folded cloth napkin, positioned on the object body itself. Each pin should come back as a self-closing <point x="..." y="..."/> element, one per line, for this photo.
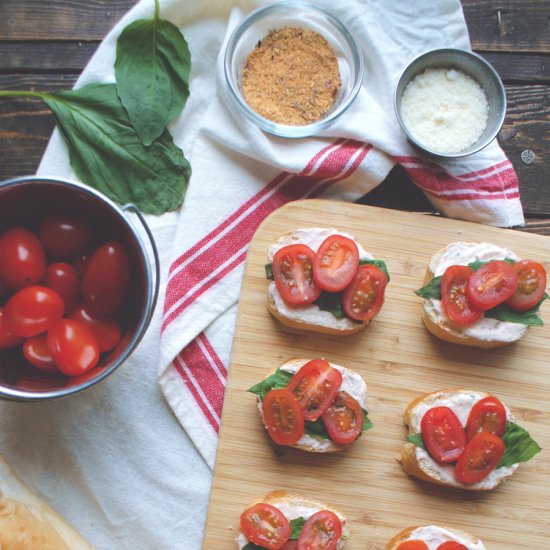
<point x="136" y="479"/>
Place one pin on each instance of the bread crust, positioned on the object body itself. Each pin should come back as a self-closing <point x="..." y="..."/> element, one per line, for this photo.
<point x="402" y="536"/>
<point x="28" y="522"/>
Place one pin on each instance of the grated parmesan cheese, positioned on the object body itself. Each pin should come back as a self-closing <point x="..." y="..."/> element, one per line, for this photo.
<point x="445" y="110"/>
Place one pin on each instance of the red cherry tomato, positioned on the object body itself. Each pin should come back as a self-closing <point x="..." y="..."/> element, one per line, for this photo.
<point x="487" y="415"/>
<point x="455" y="304"/>
<point x="283" y="416"/>
<point x="105" y="281"/>
<point x="479" y="458"/>
<point x="344" y="419"/>
<point x="364" y="296"/>
<point x="413" y="545"/>
<point x="290" y="545"/>
<point x="7" y="339"/>
<point x="293" y="274"/>
<point x="336" y="263"/>
<point x="37" y="353"/>
<point x="23" y="258"/>
<point x="105" y="329"/>
<point x="73" y="347"/>
<point x="451" y="545"/>
<point x="3" y="286"/>
<point x="315" y="385"/>
<point x="492" y="284"/>
<point x="321" y="531"/>
<point x="82" y="262"/>
<point x="32" y="310"/>
<point x="531" y="285"/>
<point x="63" y="278"/>
<point x="265" y="526"/>
<point x="65" y="235"/>
<point x="442" y="434"/>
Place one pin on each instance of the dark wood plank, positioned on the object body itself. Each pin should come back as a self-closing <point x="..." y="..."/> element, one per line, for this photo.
<point x="520" y="68"/>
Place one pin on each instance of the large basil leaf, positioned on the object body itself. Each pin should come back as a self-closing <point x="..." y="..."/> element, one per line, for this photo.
<point x="331" y="302"/>
<point x="152" y="73"/>
<point x="106" y="153"/>
<point x="520" y="446"/>
<point x="531" y="318"/>
<point x="279" y="379"/>
<point x="417" y="440"/>
<point x="431" y="290"/>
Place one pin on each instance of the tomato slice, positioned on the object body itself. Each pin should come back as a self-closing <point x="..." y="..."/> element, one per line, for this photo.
<point x="315" y="385"/>
<point x="531" y="285"/>
<point x="451" y="545"/>
<point x="37" y="353"/>
<point x="7" y="338"/>
<point x="443" y="434"/>
<point x="364" y="296"/>
<point x="487" y="415"/>
<point x="293" y="274"/>
<point x="344" y="419"/>
<point x="413" y="545"/>
<point x="321" y="531"/>
<point x="266" y="526"/>
<point x="336" y="263"/>
<point x="283" y="416"/>
<point x="480" y="457"/>
<point x="492" y="284"/>
<point x="455" y="304"/>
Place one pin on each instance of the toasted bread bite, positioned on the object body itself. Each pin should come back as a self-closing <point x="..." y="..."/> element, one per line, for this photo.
<point x="481" y="295"/>
<point x="281" y="517"/>
<point x="313" y="405"/>
<point x="463" y="438"/>
<point x="434" y="537"/>
<point x="324" y="281"/>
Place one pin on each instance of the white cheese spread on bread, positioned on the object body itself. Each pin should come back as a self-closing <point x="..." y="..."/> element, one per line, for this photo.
<point x="433" y="536"/>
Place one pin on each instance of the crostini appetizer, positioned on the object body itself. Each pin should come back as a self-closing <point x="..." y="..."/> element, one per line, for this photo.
<point x="313" y="405"/>
<point x="324" y="281"/>
<point x="481" y="295"/>
<point x="287" y="521"/>
<point x="434" y="537"/>
<point x="464" y="438"/>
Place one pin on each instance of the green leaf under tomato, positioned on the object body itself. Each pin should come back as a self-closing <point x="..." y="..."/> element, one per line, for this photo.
<point x="269" y="271"/>
<point x="380" y="264"/>
<point x="431" y="290"/>
<point x="478" y="263"/>
<point x="331" y="302"/>
<point x="152" y="72"/>
<point x="296" y="526"/>
<point x="520" y="446"/>
<point x="417" y="440"/>
<point x="278" y="380"/>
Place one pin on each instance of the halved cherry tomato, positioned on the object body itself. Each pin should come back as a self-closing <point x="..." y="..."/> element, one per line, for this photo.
<point x="531" y="285"/>
<point x="336" y="263"/>
<point x="442" y="434"/>
<point x="266" y="526"/>
<point x="321" y="531"/>
<point x="455" y="304"/>
<point x="364" y="296"/>
<point x="413" y="545"/>
<point x="105" y="329"/>
<point x="23" y="260"/>
<point x="479" y="458"/>
<point x="283" y="416"/>
<point x="63" y="278"/>
<point x="32" y="310"/>
<point x="65" y="235"/>
<point x="73" y="347"/>
<point x="487" y="415"/>
<point x="7" y="338"/>
<point x="315" y="385"/>
<point x="105" y="281"/>
<point x="492" y="284"/>
<point x="38" y="354"/>
<point x="344" y="419"/>
<point x="290" y="545"/>
<point x="293" y="274"/>
<point x="451" y="545"/>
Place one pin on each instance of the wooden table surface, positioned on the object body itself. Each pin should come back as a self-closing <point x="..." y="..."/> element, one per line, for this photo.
<point x="45" y="44"/>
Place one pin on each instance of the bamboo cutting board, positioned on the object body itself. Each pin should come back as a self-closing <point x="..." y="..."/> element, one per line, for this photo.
<point x="399" y="360"/>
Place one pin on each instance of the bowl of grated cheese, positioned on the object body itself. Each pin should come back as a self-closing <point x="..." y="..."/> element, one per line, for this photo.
<point x="450" y="103"/>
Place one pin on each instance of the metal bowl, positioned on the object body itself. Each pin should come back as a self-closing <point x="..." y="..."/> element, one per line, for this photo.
<point x="24" y="201"/>
<point x="474" y="66"/>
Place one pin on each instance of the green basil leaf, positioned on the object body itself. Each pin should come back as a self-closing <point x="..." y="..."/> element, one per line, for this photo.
<point x="367" y="424"/>
<point x="296" y="525"/>
<point x="431" y="290"/>
<point x="478" y="263"/>
<point x="252" y="546"/>
<point x="152" y="73"/>
<point x="531" y="318"/>
<point x="316" y="428"/>
<point x="520" y="446"/>
<point x="269" y="271"/>
<point x="380" y="264"/>
<point x="416" y="439"/>
<point x="332" y="302"/>
<point x="279" y="379"/>
<point x="106" y="153"/>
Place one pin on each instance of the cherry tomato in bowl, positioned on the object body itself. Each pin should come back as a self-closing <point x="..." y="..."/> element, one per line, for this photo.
<point x="65" y="235"/>
<point x="492" y="284"/>
<point x="336" y="263"/>
<point x="266" y="526"/>
<point x="7" y="338"/>
<point x="531" y="285"/>
<point x="443" y="434"/>
<point x="37" y="353"/>
<point x="63" y="278"/>
<point x="105" y="329"/>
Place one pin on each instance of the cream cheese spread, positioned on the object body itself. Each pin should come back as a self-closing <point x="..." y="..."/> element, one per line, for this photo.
<point x="433" y="536"/>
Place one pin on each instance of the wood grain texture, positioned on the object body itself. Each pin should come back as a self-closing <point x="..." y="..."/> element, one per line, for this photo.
<point x="399" y="360"/>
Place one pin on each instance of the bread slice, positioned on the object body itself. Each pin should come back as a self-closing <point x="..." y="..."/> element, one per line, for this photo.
<point x="433" y="532"/>
<point x="309" y="317"/>
<point x="416" y="461"/>
<point x="486" y="333"/>
<point x="27" y="522"/>
<point x="309" y="443"/>
<point x="294" y="506"/>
